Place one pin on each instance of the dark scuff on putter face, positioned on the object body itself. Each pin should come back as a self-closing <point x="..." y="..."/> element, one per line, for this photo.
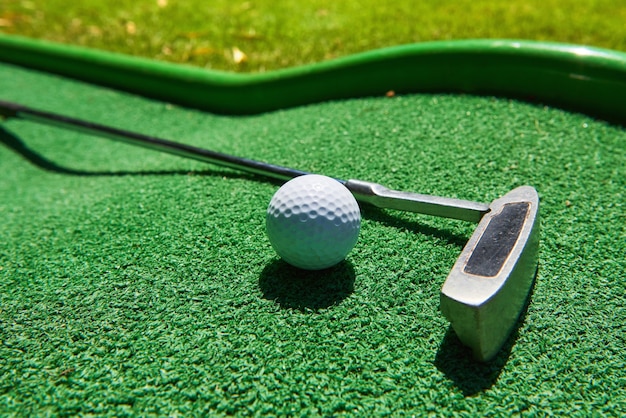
<point x="489" y="284"/>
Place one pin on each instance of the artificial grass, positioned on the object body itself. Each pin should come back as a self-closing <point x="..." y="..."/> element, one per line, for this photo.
<point x="284" y="34"/>
<point x="135" y="283"/>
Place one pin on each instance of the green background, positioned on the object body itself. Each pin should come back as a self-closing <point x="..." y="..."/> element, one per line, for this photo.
<point x="134" y="283"/>
<point x="287" y="33"/>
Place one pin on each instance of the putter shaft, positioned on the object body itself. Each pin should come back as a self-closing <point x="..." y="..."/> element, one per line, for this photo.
<point x="363" y="191"/>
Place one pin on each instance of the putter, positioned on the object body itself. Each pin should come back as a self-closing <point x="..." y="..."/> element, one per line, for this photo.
<point x="487" y="289"/>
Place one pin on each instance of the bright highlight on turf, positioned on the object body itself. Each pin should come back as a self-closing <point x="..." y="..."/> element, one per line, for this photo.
<point x="313" y="222"/>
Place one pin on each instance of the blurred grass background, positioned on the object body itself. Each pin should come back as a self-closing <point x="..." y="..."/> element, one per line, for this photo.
<point x="262" y="35"/>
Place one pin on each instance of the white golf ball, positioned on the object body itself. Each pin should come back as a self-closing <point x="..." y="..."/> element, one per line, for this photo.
<point x="313" y="222"/>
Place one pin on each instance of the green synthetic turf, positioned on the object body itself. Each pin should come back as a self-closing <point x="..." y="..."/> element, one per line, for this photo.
<point x="133" y="282"/>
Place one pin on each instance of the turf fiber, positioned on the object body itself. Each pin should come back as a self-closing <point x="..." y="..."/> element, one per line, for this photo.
<point x="136" y="283"/>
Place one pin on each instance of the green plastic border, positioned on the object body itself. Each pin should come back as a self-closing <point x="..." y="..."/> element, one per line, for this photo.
<point x="576" y="77"/>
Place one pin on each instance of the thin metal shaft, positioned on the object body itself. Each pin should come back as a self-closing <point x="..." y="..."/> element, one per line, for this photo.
<point x="363" y="191"/>
<point x="444" y="207"/>
<point x="146" y="141"/>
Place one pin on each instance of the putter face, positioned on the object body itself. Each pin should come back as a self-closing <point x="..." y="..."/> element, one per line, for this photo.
<point x="487" y="288"/>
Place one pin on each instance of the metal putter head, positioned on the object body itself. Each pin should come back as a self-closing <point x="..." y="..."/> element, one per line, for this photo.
<point x="488" y="286"/>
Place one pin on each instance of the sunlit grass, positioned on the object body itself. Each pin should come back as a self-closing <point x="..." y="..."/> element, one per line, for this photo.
<point x="272" y="34"/>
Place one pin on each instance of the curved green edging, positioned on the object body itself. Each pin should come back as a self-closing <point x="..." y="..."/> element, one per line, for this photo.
<point x="576" y="77"/>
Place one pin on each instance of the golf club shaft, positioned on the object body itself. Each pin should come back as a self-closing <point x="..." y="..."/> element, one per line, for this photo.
<point x="363" y="191"/>
<point x="255" y="167"/>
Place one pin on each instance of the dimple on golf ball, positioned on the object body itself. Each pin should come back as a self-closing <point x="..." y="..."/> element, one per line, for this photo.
<point x="313" y="222"/>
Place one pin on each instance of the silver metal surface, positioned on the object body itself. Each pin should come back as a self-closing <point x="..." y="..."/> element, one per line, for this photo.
<point x="483" y="309"/>
<point x="382" y="197"/>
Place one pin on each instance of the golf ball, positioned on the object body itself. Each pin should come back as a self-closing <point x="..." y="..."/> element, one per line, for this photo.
<point x="313" y="222"/>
